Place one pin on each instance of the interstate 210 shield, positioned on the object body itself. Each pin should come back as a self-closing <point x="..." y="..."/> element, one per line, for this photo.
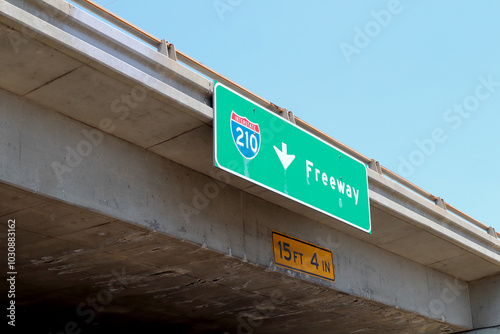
<point x="246" y="136"/>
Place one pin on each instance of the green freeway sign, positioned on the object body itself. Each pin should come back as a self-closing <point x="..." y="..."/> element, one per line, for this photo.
<point x="260" y="146"/>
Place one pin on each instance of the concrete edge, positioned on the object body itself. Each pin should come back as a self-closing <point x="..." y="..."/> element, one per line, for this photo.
<point x="74" y="45"/>
<point x="433" y="209"/>
<point x="436" y="229"/>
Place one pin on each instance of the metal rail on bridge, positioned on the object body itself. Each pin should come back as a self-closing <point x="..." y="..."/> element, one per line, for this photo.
<point x="169" y="50"/>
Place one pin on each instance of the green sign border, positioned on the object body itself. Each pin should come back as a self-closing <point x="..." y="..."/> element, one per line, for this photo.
<point x="217" y="164"/>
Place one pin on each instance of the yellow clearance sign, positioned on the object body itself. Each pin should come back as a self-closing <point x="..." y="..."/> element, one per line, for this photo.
<point x="301" y="256"/>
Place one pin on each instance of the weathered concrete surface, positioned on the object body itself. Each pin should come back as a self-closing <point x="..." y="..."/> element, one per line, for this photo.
<point x="104" y="275"/>
<point x="116" y="145"/>
<point x="485" y="301"/>
<point x="490" y="330"/>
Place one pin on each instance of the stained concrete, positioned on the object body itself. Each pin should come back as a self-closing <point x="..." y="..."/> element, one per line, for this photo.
<point x="485" y="301"/>
<point x="139" y="279"/>
<point x="488" y="330"/>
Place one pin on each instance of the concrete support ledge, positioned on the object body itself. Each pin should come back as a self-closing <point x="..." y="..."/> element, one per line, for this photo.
<point x="489" y="330"/>
<point x="485" y="301"/>
<point x="94" y="42"/>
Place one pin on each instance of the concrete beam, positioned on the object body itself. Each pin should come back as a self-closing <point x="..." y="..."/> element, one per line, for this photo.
<point x="86" y="39"/>
<point x="490" y="330"/>
<point x="485" y="301"/>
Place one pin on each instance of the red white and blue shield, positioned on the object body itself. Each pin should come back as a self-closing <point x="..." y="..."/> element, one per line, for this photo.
<point x="246" y="135"/>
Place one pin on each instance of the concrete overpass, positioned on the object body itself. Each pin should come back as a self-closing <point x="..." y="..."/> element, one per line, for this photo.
<point x="122" y="223"/>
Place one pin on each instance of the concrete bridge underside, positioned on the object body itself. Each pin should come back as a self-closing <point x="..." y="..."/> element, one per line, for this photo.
<point x="103" y="274"/>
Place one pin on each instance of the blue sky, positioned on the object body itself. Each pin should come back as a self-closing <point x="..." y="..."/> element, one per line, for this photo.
<point x="414" y="84"/>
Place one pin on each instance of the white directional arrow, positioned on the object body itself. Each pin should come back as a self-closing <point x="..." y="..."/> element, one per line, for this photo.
<point x="286" y="159"/>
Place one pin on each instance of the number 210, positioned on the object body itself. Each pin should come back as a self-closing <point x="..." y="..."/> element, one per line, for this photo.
<point x="250" y="142"/>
